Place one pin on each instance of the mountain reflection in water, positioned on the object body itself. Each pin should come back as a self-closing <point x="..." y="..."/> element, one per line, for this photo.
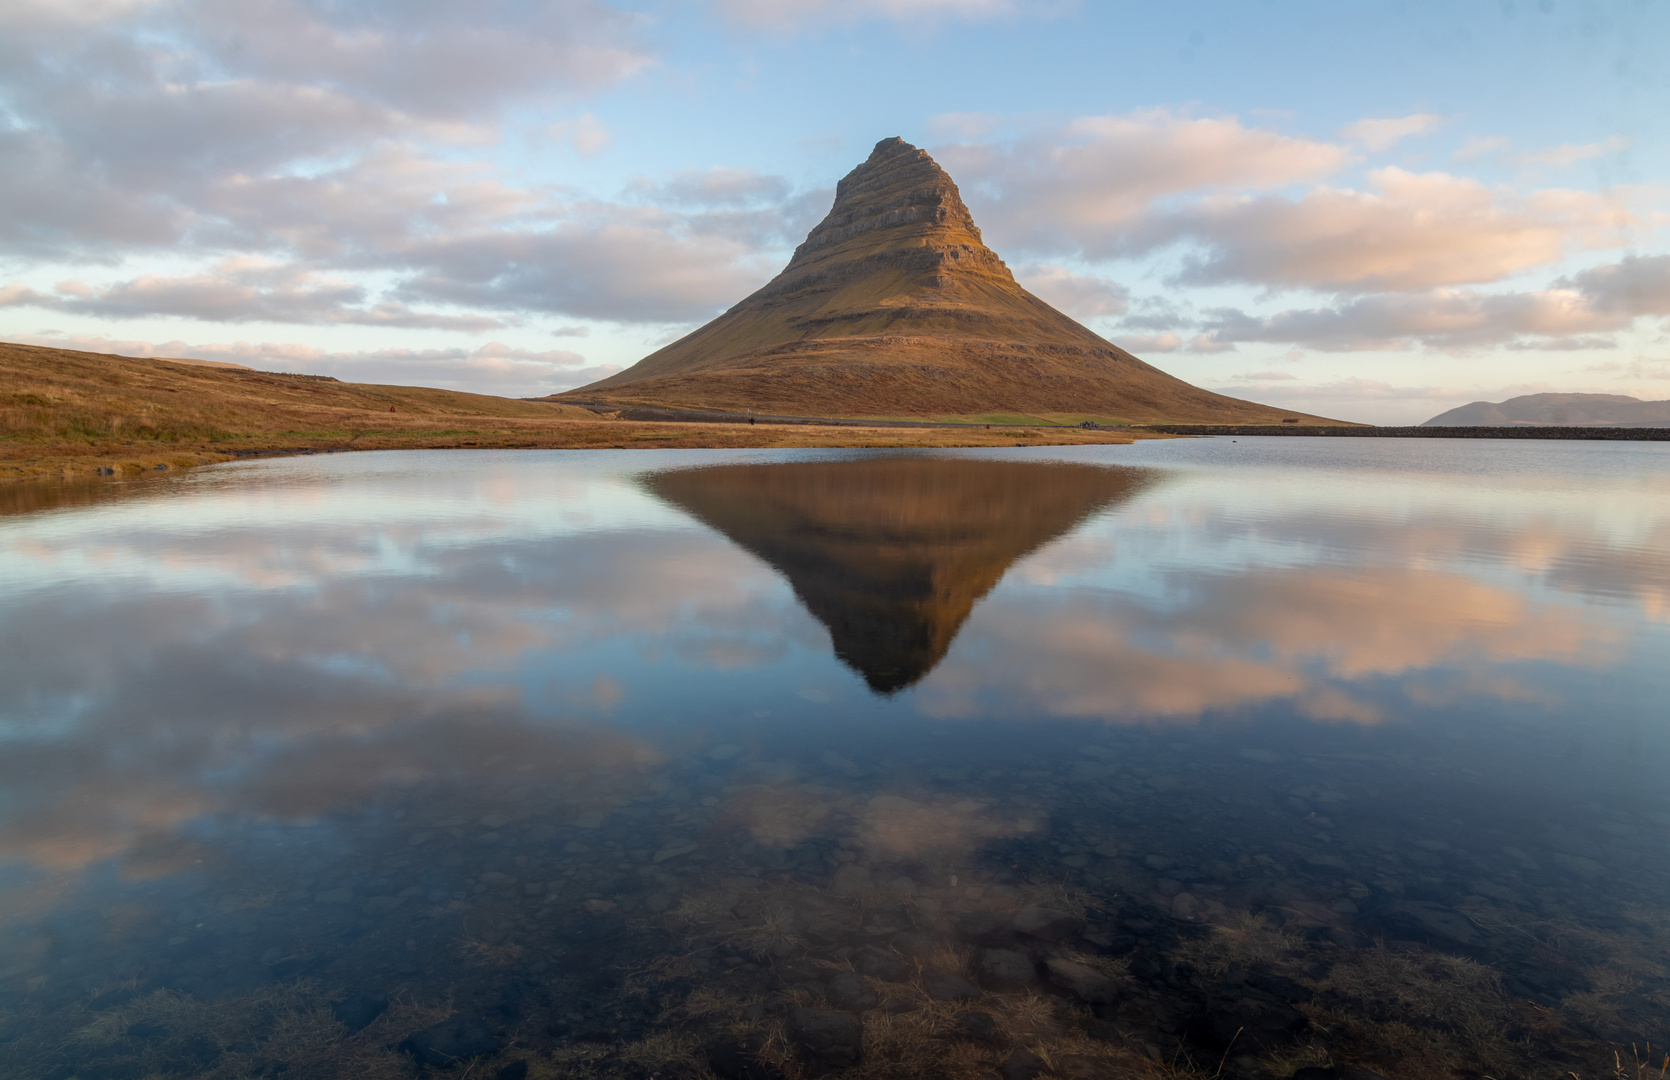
<point x="1190" y="760"/>
<point x="891" y="554"/>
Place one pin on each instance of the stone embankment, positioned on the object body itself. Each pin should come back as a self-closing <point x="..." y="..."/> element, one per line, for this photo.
<point x="1369" y="432"/>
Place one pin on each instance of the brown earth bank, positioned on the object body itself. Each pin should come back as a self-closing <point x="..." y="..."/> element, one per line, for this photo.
<point x="895" y="307"/>
<point x="78" y="414"/>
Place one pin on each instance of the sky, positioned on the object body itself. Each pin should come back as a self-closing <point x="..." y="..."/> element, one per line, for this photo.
<point x="1369" y="210"/>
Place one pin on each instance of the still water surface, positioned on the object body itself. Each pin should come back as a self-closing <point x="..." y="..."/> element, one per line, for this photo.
<point x="1183" y="758"/>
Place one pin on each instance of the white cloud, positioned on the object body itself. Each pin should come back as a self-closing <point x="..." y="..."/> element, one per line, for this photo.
<point x="1384" y="133"/>
<point x="1572" y="153"/>
<point x="325" y="145"/>
<point x="158" y="102"/>
<point x="306" y="162"/>
<point x="1479" y="146"/>
<point x="586" y="134"/>
<point x="1443" y="319"/>
<point x="1083" y="296"/>
<point x="491" y="368"/>
<point x="1170" y="342"/>
<point x="1581" y="312"/>
<point x="449" y="233"/>
<point x="715" y="186"/>
<point x="1414" y="231"/>
<point x="1640" y="369"/>
<point x="426" y="59"/>
<point x="794" y="15"/>
<point x="1081" y="188"/>
<point x="964" y="125"/>
<point x="1222" y="194"/>
<point x="1635" y="285"/>
<point x="241" y="290"/>
<point x="1366" y="400"/>
<point x="613" y="264"/>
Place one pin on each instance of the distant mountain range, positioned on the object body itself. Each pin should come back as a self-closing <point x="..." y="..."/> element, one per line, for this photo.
<point x="894" y="306"/>
<point x="1558" y="410"/>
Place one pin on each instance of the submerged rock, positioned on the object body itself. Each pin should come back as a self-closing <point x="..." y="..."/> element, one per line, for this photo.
<point x="1421" y="920"/>
<point x="1046" y="924"/>
<point x="1250" y="1023"/>
<point x="847" y="992"/>
<point x="460" y="1036"/>
<point x="1005" y="969"/>
<point x="981" y="926"/>
<point x="1021" y="1064"/>
<point x="916" y="943"/>
<point x="1082" y="981"/>
<point x="733" y="1060"/>
<point x="851" y="880"/>
<point x="881" y="964"/>
<point x="944" y="986"/>
<point x="357" y="1011"/>
<point x="835" y="1038"/>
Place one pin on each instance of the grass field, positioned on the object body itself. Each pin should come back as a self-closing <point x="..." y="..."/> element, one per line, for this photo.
<point x="66" y="413"/>
<point x="1012" y="418"/>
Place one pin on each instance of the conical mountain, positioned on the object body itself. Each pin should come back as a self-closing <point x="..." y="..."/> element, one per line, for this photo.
<point x="894" y="306"/>
<point x="891" y="554"/>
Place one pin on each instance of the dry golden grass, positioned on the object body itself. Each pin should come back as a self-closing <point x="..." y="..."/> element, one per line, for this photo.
<point x="1057" y="895"/>
<point x="65" y="413"/>
<point x="1626" y="968"/>
<point x="479" y="953"/>
<point x="931" y="378"/>
<point x="1250" y="941"/>
<point x="919" y="1043"/>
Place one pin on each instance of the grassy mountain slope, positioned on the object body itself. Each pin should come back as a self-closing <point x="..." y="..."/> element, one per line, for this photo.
<point x="894" y="306"/>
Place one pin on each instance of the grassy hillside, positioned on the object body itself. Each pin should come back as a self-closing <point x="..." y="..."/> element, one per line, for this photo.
<point x="67" y="413"/>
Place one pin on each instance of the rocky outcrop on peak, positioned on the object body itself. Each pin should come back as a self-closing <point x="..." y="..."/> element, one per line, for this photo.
<point x="894" y="306"/>
<point x="898" y="188"/>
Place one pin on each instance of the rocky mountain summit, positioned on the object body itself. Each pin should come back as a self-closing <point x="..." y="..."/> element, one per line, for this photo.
<point x="894" y="305"/>
<point x="1558" y="410"/>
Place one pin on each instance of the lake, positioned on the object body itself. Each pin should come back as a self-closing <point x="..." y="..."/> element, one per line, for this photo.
<point x="1186" y="758"/>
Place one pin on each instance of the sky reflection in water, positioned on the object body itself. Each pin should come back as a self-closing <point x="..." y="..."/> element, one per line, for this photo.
<point x="364" y="720"/>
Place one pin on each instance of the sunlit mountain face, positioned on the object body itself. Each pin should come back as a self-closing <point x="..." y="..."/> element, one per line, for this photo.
<point x="595" y="756"/>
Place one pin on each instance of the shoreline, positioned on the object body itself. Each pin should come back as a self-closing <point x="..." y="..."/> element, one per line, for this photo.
<point x="107" y="459"/>
<point x="76" y="462"/>
<point x="1523" y="431"/>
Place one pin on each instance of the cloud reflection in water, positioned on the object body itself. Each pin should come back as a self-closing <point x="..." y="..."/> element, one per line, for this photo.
<point x="189" y="664"/>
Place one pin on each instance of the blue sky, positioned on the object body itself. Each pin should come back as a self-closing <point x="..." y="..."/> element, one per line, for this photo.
<point x="1369" y="210"/>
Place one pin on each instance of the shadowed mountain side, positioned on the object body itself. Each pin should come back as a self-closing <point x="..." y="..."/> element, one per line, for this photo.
<point x="892" y="554"/>
<point x="894" y="305"/>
